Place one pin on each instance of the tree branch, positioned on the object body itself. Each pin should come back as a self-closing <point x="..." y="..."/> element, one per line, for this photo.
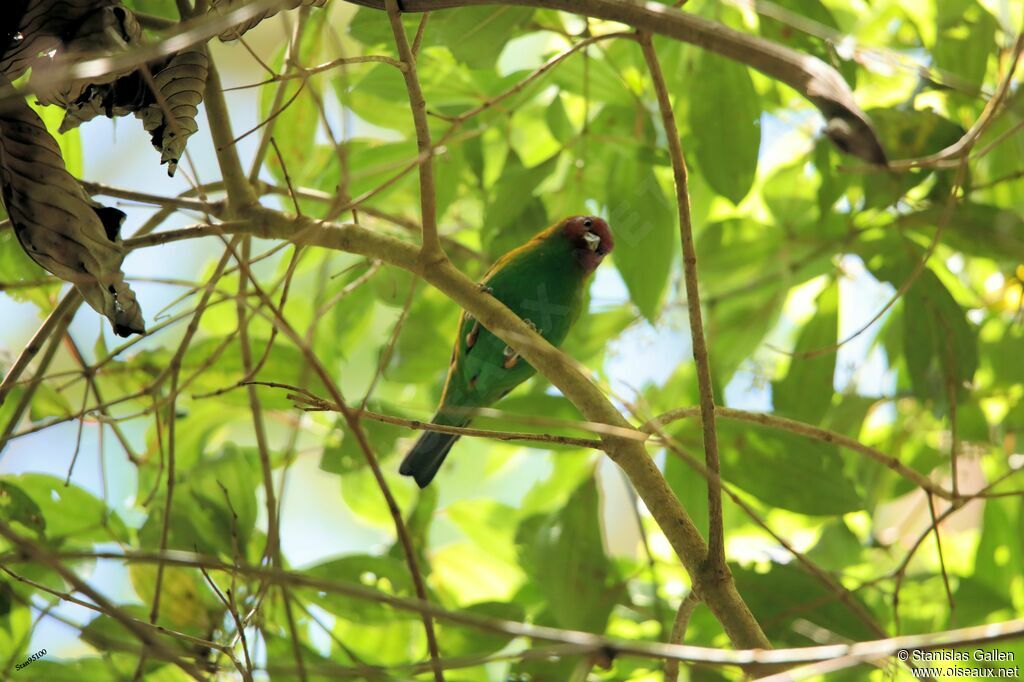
<point x="716" y="533"/>
<point x="866" y="651"/>
<point x="428" y="203"/>
<point x="720" y="596"/>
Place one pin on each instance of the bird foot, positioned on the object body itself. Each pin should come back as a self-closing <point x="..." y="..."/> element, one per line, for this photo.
<point x="511" y="357"/>
<point x="484" y="288"/>
<point x="531" y="325"/>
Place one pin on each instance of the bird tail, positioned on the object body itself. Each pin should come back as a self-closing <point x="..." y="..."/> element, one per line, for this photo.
<point x="428" y="454"/>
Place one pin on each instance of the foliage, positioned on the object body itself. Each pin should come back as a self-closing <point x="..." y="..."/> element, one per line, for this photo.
<point x="800" y="250"/>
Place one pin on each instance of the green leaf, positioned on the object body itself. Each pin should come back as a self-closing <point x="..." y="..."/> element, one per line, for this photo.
<point x="837" y="547"/>
<point x="18" y="270"/>
<point x="805" y="393"/>
<point x="786" y="593"/>
<point x="349" y="456"/>
<point x="47" y="402"/>
<point x="563" y="553"/>
<point x="69" y="513"/>
<point x="644" y="227"/>
<point x="186" y="602"/>
<point x="214" y="505"/>
<point x="792" y="196"/>
<point x="477" y="35"/>
<point x="725" y="118"/>
<point x="558" y="121"/>
<point x="963" y="42"/>
<point x="513" y="215"/>
<point x="379" y="96"/>
<point x="975" y="230"/>
<point x="998" y="559"/>
<point x="485" y="524"/>
<point x="940" y="345"/>
<point x="384" y="573"/>
<point x="907" y="134"/>
<point x="362" y="494"/>
<point x="785" y="470"/>
<point x="467" y="641"/>
<point x="17" y="507"/>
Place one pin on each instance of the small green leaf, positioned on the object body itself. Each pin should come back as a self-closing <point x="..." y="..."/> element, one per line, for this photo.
<point x="725" y="118"/>
<point x="785" y="470"/>
<point x="477" y="35"/>
<point x="644" y="227"/>
<point x="792" y="196"/>
<point x="213" y="506"/>
<point x="975" y="230"/>
<point x="466" y="641"/>
<point x="564" y="555"/>
<point x="70" y="514"/>
<point x="513" y="214"/>
<point x="940" y="345"/>
<point x="558" y="121"/>
<point x="907" y="134"/>
<point x="786" y="593"/>
<point x="17" y="507"/>
<point x="963" y="43"/>
<point x="48" y="403"/>
<point x="806" y="391"/>
<point x="349" y="456"/>
<point x="384" y="573"/>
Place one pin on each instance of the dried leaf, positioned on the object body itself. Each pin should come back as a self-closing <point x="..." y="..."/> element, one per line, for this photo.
<point x="171" y="119"/>
<point x="103" y="32"/>
<point x="60" y="227"/>
<point x="40" y="27"/>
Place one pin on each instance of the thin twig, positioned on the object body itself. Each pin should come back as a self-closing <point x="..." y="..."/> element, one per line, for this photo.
<point x="716" y="536"/>
<point x="431" y="247"/>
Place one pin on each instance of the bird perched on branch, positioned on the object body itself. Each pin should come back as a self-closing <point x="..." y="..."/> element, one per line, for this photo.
<point x="543" y="282"/>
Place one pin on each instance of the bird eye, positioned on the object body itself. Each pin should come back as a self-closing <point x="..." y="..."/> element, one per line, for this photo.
<point x="588" y="223"/>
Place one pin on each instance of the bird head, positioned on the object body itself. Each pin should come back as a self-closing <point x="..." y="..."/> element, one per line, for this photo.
<point x="591" y="239"/>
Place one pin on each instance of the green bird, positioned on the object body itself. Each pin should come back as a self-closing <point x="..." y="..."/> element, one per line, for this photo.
<point x="543" y="282"/>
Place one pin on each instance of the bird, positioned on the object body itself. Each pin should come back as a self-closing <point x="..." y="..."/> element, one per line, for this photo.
<point x="543" y="282"/>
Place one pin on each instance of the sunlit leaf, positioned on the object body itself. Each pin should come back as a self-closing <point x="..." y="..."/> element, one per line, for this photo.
<point x="806" y="391"/>
<point x="725" y="113"/>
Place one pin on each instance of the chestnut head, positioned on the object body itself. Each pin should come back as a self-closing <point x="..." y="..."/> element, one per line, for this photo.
<point x="591" y="239"/>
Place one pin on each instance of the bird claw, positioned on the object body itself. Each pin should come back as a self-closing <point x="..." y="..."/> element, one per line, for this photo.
<point x="484" y="288"/>
<point x="531" y="325"/>
<point x="511" y="357"/>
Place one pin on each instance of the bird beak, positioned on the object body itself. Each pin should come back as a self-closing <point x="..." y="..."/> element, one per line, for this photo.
<point x="593" y="241"/>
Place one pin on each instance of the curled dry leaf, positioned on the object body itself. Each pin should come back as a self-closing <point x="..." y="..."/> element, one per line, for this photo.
<point x="166" y="99"/>
<point x="171" y="118"/>
<point x="237" y="31"/>
<point x="38" y="27"/>
<point x="104" y="31"/>
<point x="57" y="223"/>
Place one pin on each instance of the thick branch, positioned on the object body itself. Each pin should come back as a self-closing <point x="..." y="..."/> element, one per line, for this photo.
<point x="240" y="191"/>
<point x="720" y="596"/>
